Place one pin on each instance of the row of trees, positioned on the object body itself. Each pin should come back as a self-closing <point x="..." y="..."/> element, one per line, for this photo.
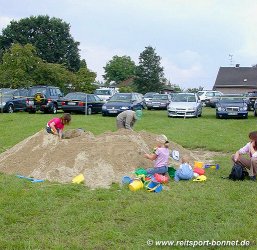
<point x="41" y="50"/>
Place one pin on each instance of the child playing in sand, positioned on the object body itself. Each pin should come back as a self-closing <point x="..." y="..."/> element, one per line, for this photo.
<point x="56" y="125"/>
<point x="160" y="156"/>
<point x="185" y="171"/>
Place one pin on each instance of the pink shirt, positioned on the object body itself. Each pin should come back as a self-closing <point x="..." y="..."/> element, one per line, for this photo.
<point x="246" y="150"/>
<point x="162" y="157"/>
<point x="58" y="123"/>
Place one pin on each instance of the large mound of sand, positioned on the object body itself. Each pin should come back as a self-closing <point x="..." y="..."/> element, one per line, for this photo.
<point x="102" y="159"/>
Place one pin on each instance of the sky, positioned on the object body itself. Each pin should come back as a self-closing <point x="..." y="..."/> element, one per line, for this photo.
<point x="193" y="37"/>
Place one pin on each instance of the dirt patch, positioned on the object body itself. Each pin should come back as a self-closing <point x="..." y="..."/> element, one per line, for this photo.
<point x="102" y="159"/>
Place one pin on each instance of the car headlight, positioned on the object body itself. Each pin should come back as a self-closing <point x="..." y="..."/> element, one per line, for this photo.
<point x="104" y="107"/>
<point x="243" y="108"/>
<point x="124" y="108"/>
<point x="3" y="103"/>
<point x="171" y="108"/>
<point x="220" y="108"/>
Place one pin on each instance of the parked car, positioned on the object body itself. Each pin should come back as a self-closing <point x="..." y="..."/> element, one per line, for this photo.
<point x="79" y="102"/>
<point x="105" y="93"/>
<point x="185" y="105"/>
<point x="121" y="102"/>
<point x="44" y="98"/>
<point x="148" y="96"/>
<point x="18" y="102"/>
<point x="206" y="95"/>
<point x="232" y="105"/>
<point x="5" y="95"/>
<point x="159" y="101"/>
<point x="251" y="98"/>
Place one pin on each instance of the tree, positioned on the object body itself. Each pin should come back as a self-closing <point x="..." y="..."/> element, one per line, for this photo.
<point x="50" y="36"/>
<point x="118" y="69"/>
<point x="194" y="90"/>
<point x="19" y="65"/>
<point x="84" y="80"/>
<point x="149" y="73"/>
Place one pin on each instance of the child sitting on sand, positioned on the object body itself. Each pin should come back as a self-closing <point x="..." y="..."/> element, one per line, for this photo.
<point x="160" y="156"/>
<point x="185" y="171"/>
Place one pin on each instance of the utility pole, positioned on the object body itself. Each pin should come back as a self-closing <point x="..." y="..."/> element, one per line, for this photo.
<point x="231" y="59"/>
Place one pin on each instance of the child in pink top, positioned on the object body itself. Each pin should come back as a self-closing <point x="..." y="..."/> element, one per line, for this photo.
<point x="160" y="156"/>
<point x="56" y="125"/>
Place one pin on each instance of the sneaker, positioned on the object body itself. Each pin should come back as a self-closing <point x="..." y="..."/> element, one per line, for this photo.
<point x="253" y="178"/>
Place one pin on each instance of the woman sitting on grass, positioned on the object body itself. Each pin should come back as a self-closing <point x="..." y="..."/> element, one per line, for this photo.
<point x="250" y="148"/>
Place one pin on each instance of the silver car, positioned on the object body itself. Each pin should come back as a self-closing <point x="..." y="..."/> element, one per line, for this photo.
<point x="185" y="105"/>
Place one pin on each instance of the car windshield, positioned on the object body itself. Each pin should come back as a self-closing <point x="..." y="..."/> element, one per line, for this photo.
<point x="231" y="99"/>
<point x="33" y="91"/>
<point x="251" y="94"/>
<point x="149" y="95"/>
<point x="75" y="96"/>
<point x="102" y="92"/>
<point x="121" y="98"/>
<point x="184" y="98"/>
<point x="160" y="97"/>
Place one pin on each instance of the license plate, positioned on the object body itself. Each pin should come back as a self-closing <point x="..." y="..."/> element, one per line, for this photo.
<point x="72" y="103"/>
<point x="232" y="113"/>
<point x="113" y="111"/>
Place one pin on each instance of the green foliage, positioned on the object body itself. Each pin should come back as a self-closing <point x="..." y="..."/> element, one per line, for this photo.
<point x="126" y="89"/>
<point x="19" y="66"/>
<point x="50" y="36"/>
<point x="118" y="69"/>
<point x="84" y="80"/>
<point x="149" y="73"/>
<point x="194" y="90"/>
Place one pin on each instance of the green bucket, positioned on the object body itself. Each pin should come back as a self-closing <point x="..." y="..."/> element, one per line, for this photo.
<point x="140" y="171"/>
<point x="171" y="172"/>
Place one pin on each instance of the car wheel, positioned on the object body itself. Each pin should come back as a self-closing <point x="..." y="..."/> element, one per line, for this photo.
<point x="32" y="111"/>
<point x="54" y="109"/>
<point x="10" y="109"/>
<point x="255" y="113"/>
<point x="89" y="111"/>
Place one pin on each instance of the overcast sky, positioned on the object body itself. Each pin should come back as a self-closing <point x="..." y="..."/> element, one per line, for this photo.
<point x="193" y="37"/>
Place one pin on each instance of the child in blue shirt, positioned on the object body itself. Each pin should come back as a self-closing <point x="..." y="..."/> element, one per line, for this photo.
<point x="185" y="171"/>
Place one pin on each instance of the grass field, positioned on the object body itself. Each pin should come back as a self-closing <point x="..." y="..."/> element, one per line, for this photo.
<point x="57" y="216"/>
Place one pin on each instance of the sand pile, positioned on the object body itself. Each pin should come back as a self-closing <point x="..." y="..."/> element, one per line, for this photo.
<point x="102" y="159"/>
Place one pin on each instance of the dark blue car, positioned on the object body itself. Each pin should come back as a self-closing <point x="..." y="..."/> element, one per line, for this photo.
<point x="232" y="105"/>
<point x="17" y="101"/>
<point x="121" y="102"/>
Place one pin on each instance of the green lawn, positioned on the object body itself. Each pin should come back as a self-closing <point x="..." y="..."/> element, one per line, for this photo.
<point x="56" y="216"/>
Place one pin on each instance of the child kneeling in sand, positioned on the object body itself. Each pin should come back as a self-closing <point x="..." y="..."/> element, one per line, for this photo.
<point x="160" y="156"/>
<point x="56" y="125"/>
<point x="185" y="171"/>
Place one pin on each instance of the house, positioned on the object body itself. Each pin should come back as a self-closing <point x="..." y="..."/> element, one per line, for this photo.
<point x="235" y="80"/>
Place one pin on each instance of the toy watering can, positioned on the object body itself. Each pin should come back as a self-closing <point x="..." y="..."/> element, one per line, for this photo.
<point x="78" y="179"/>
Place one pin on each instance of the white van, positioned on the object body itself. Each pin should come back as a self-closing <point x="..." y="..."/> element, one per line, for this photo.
<point x="206" y="95"/>
<point x="105" y="93"/>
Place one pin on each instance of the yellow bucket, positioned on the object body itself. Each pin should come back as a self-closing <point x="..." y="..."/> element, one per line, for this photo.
<point x="199" y="164"/>
<point x="136" y="185"/>
<point x="78" y="179"/>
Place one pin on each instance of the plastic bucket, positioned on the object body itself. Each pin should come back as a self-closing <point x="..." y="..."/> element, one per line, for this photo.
<point x="153" y="187"/>
<point x="136" y="185"/>
<point x="78" y="179"/>
<point x="161" y="178"/>
<point x="126" y="180"/>
<point x="199" y="164"/>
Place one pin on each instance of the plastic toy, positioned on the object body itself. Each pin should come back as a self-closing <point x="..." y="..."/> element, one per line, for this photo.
<point x="126" y="180"/>
<point x="199" y="171"/>
<point x="198" y="164"/>
<point x="33" y="180"/>
<point x="175" y="155"/>
<point x="152" y="186"/>
<point x="78" y="179"/>
<point x="161" y="178"/>
<point x="135" y="185"/>
<point x="200" y="178"/>
<point x="212" y="166"/>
